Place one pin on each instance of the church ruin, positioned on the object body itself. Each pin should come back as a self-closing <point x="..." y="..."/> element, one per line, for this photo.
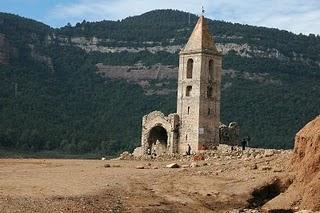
<point x="196" y="122"/>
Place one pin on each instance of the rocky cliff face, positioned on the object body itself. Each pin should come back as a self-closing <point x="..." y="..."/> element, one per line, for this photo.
<point x="41" y="58"/>
<point x="154" y="79"/>
<point x="95" y="44"/>
<point x="4" y="50"/>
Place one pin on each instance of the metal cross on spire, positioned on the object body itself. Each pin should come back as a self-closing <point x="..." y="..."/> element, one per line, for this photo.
<point x="202" y="10"/>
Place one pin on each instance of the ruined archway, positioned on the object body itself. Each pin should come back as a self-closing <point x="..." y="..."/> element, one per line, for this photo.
<point x="158" y="127"/>
<point x="158" y="140"/>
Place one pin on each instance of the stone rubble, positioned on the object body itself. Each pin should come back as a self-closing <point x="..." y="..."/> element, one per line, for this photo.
<point x="223" y="153"/>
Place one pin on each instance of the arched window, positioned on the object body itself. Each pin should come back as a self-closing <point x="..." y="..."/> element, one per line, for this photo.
<point x="188" y="91"/>
<point x="188" y="110"/>
<point x="189" y="68"/>
<point x="211" y="70"/>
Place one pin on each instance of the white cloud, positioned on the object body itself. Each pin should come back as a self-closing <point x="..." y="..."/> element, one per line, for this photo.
<point x="117" y="9"/>
<point x="299" y="16"/>
<point x="294" y="15"/>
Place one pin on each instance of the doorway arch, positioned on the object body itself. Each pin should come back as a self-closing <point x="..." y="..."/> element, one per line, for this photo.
<point x="158" y="140"/>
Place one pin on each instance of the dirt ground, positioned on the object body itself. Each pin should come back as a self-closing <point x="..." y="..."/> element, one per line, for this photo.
<point x="33" y="185"/>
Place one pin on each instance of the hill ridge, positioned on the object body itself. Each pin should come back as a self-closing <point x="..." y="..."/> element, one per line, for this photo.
<point x="52" y="97"/>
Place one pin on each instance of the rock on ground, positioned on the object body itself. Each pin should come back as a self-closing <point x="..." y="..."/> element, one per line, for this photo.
<point x="173" y="165"/>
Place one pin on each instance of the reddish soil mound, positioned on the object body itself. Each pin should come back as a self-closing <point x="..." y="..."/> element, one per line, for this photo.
<point x="306" y="159"/>
<point x="304" y="192"/>
<point x="306" y="163"/>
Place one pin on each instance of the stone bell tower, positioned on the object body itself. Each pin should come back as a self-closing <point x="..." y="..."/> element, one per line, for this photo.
<point x="198" y="99"/>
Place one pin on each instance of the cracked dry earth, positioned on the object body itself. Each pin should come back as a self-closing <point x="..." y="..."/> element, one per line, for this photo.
<point x="32" y="185"/>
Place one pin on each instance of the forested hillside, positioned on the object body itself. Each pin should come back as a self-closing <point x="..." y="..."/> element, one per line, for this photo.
<point x="51" y="97"/>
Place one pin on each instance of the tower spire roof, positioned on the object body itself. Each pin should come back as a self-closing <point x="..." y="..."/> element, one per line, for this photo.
<point x="200" y="38"/>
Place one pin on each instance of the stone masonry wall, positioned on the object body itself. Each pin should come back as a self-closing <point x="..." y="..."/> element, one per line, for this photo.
<point x="188" y="107"/>
<point x="157" y="119"/>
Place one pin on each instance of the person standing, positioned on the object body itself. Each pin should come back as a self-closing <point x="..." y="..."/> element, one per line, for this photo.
<point x="189" y="150"/>
<point x="244" y="143"/>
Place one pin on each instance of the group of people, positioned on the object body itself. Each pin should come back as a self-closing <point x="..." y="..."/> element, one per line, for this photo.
<point x="151" y="152"/>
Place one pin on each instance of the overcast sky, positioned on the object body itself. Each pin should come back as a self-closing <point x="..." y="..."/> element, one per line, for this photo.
<point x="298" y="16"/>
